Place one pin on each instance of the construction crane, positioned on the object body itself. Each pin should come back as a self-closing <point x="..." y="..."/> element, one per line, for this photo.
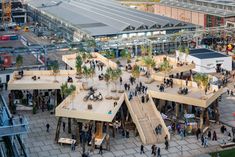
<point x="6" y="12"/>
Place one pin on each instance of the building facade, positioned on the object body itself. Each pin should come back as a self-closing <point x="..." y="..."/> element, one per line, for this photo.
<point x="206" y="13"/>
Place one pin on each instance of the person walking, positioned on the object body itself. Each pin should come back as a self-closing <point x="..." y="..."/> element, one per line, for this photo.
<point x="159" y="152"/>
<point x="166" y="144"/>
<point x="202" y="140"/>
<point x="120" y="79"/>
<point x="209" y="135"/>
<point x="152" y="148"/>
<point x="205" y="142"/>
<point x="181" y="134"/>
<point x="142" y="149"/>
<point x="233" y="131"/>
<point x="155" y="151"/>
<point x="48" y="127"/>
<point x="64" y="126"/>
<point x="198" y="132"/>
<point x="101" y="150"/>
<point x="73" y="145"/>
<point x="214" y="138"/>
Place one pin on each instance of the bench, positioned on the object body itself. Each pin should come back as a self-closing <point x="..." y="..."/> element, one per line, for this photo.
<point x="99" y="141"/>
<point x="66" y="141"/>
<point x="226" y="145"/>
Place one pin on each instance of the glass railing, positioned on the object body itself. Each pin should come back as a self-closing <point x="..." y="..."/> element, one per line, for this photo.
<point x="11" y="126"/>
<point x="18" y="127"/>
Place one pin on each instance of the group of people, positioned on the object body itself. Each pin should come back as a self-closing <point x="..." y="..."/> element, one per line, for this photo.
<point x="168" y="82"/>
<point x="94" y="63"/>
<point x="101" y="76"/>
<point x="183" y="91"/>
<point x="156" y="151"/>
<point x="128" y="67"/>
<point x="139" y="89"/>
<point x="230" y="92"/>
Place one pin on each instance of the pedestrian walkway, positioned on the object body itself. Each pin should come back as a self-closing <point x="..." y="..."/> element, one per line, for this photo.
<point x="147" y="118"/>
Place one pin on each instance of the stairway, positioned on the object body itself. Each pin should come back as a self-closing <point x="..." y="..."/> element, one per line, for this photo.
<point x="146" y="118"/>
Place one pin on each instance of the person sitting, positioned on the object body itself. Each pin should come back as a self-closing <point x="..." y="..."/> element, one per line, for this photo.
<point x="101" y="76"/>
<point x="100" y="97"/>
<point x="21" y="73"/>
<point x="129" y="67"/>
<point x="161" y="88"/>
<point x="180" y="90"/>
<point x="70" y="79"/>
<point x="142" y="99"/>
<point x="185" y="91"/>
<point x="34" y="78"/>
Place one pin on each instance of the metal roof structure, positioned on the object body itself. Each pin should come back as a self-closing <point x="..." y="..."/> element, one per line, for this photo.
<point x="206" y="53"/>
<point x="105" y="17"/>
<point x="203" y="8"/>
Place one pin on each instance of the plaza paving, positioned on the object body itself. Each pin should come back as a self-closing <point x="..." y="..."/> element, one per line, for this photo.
<point x="227" y="108"/>
<point x="39" y="143"/>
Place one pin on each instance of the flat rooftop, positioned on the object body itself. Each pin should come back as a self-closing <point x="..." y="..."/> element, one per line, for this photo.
<point x="75" y="107"/>
<point x="196" y="96"/>
<point x="45" y="80"/>
<point x="105" y="17"/>
<point x="206" y="53"/>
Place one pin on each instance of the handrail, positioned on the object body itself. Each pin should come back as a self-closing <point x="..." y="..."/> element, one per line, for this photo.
<point x="160" y="117"/>
<point x="135" y="119"/>
<point x="146" y="115"/>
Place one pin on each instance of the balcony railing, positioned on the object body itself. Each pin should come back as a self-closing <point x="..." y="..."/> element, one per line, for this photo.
<point x="14" y="127"/>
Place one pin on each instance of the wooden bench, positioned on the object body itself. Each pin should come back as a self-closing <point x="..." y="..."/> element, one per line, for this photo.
<point x="99" y="141"/>
<point x="226" y="145"/>
<point x="66" y="141"/>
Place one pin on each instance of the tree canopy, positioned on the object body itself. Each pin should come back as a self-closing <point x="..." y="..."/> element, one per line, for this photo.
<point x="19" y="61"/>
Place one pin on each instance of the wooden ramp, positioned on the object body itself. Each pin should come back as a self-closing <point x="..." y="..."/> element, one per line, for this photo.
<point x="146" y="117"/>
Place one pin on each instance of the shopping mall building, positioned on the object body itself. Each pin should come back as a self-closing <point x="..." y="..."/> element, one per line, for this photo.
<point x="206" y="13"/>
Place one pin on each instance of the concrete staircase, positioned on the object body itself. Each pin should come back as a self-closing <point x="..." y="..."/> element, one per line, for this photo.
<point x="146" y="117"/>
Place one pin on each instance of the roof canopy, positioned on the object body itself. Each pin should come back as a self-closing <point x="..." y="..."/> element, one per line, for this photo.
<point x="105" y="17"/>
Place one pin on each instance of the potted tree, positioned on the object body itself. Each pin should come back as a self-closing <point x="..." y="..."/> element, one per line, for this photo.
<point x="186" y="53"/>
<point x="107" y="78"/>
<point x="19" y="61"/>
<point x="150" y="64"/>
<point x="116" y="73"/>
<point x="144" y="50"/>
<point x="86" y="73"/>
<point x="91" y="44"/>
<point x="55" y="69"/>
<point x="126" y="55"/>
<point x="92" y="74"/>
<point x="165" y="66"/>
<point x="109" y="55"/>
<point x="84" y="57"/>
<point x="202" y="81"/>
<point x="136" y="71"/>
<point x="79" y="63"/>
